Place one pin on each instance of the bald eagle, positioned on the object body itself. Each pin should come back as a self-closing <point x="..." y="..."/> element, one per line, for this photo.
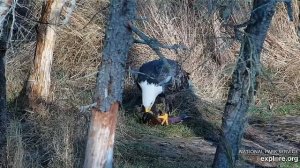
<point x="160" y="78"/>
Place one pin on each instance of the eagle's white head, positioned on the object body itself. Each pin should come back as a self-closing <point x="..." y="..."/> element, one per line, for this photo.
<point x="149" y="93"/>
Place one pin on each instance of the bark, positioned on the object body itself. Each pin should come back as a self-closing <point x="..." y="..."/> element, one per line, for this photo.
<point x="110" y="81"/>
<point x="39" y="81"/>
<point x="244" y="80"/>
<point x="4" y="36"/>
<point x="101" y="140"/>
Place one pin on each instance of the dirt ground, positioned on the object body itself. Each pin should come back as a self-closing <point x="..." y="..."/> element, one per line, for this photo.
<point x="152" y="150"/>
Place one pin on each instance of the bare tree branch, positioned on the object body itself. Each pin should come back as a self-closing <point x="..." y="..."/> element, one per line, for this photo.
<point x="94" y="16"/>
<point x="154" y="44"/>
<point x="69" y="10"/>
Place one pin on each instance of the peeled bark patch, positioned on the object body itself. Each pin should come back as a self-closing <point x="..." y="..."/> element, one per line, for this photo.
<point x="99" y="150"/>
<point x="39" y="80"/>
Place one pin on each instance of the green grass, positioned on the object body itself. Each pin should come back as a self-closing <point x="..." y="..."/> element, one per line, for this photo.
<point x="288" y="109"/>
<point x="290" y="165"/>
<point x="145" y="146"/>
<point x="263" y="112"/>
<point x="177" y="130"/>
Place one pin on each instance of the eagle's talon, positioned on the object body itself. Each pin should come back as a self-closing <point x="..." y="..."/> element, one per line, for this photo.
<point x="164" y="119"/>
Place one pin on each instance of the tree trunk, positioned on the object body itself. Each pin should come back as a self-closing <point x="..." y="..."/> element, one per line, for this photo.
<point x="101" y="137"/>
<point x="110" y="81"/>
<point x="4" y="36"/>
<point x="39" y="81"/>
<point x="244" y="80"/>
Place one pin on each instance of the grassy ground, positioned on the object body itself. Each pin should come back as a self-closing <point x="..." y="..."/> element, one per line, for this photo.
<point x="265" y="113"/>
<point x="176" y="145"/>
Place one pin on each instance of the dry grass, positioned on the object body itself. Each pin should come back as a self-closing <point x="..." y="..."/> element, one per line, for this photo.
<point x="55" y="135"/>
<point x="191" y="28"/>
<point x="281" y="57"/>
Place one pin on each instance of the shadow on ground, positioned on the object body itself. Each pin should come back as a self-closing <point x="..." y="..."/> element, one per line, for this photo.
<point x="192" y="144"/>
<point x="187" y="144"/>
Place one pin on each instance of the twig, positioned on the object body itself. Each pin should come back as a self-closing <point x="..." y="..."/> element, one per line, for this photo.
<point x="237" y="32"/>
<point x="139" y="41"/>
<point x="13" y="11"/>
<point x="69" y="11"/>
<point x="86" y="76"/>
<point x="288" y="4"/>
<point x="87" y="107"/>
<point x="94" y="16"/>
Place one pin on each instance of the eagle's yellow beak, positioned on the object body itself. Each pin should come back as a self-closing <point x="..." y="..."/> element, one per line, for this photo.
<point x="147" y="109"/>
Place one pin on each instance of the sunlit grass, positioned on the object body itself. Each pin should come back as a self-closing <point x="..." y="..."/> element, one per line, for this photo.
<point x="172" y="130"/>
<point x="290" y="165"/>
<point x="264" y="112"/>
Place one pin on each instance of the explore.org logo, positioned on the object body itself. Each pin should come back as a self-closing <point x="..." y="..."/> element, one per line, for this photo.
<point x="279" y="159"/>
<point x="266" y="151"/>
<point x="273" y="155"/>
